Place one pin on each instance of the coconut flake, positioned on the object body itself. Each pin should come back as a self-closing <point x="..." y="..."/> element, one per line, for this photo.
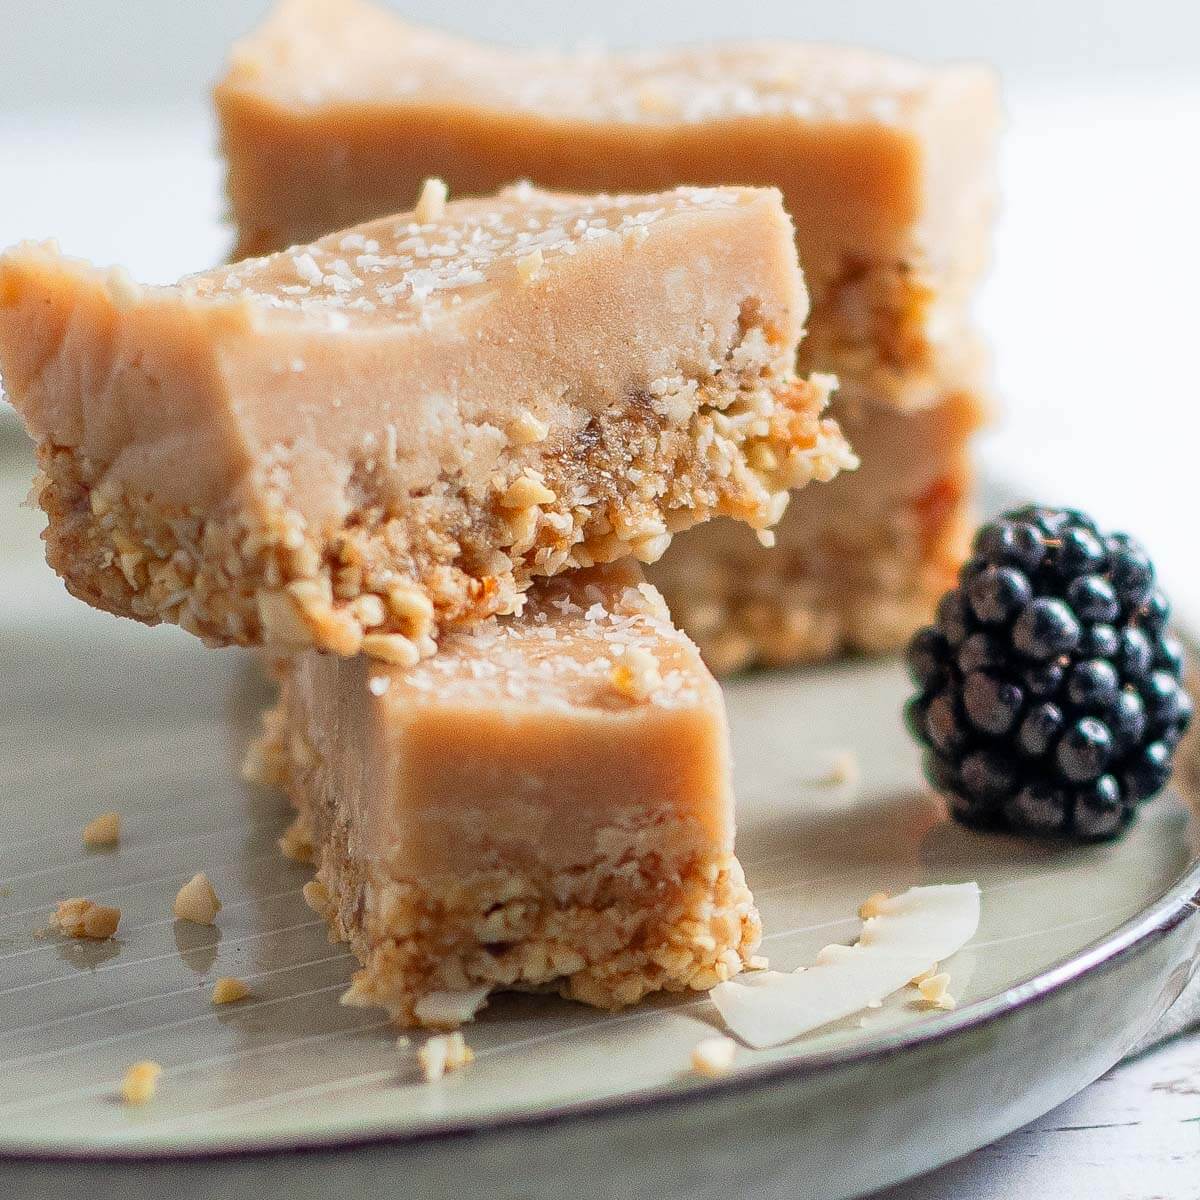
<point x="911" y="932"/>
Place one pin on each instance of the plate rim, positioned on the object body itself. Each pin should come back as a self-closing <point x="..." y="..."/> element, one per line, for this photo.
<point x="1175" y="906"/>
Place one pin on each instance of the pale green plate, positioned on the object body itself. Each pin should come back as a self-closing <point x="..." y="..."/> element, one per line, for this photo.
<point x="1079" y="952"/>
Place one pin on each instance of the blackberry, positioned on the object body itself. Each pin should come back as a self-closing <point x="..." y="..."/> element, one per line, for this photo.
<point x="1049" y="694"/>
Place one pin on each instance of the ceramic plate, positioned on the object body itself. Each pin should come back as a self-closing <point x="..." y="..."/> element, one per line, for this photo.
<point x="1078" y="953"/>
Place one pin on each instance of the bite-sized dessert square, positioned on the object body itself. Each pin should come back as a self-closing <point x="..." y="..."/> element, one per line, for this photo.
<point x="334" y="110"/>
<point x="543" y="805"/>
<point x="398" y="427"/>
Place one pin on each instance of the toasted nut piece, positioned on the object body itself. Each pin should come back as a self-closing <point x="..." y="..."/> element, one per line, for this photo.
<point x="392" y="648"/>
<point x="713" y="1056"/>
<point x="140" y="1082"/>
<point x="196" y="901"/>
<point x="446" y="1052"/>
<point x="104" y="830"/>
<point x="227" y="990"/>
<point x="525" y="491"/>
<point x="281" y="620"/>
<point x="412" y="606"/>
<point x="80" y="918"/>
<point x="525" y="429"/>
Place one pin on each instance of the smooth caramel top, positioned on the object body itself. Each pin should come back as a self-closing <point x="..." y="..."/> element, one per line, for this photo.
<point x="406" y="268"/>
<point x="417" y="337"/>
<point x="314" y="52"/>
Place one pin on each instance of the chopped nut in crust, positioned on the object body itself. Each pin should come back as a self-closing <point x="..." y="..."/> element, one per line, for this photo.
<point x="445" y="1052"/>
<point x="228" y="990"/>
<point x="197" y="901"/>
<point x="392" y="648"/>
<point x="525" y="429"/>
<point x="104" y="830"/>
<point x="80" y="918"/>
<point x="140" y="1082"/>
<point x="525" y="491"/>
<point x="713" y="1056"/>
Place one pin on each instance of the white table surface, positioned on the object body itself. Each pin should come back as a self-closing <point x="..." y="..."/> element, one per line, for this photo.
<point x="1092" y="311"/>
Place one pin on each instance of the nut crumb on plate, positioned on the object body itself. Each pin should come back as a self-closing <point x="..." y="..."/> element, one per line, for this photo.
<point x="445" y="1052"/>
<point x="935" y="991"/>
<point x="228" y="990"/>
<point x="140" y="1082"/>
<point x="104" y="830"/>
<point x="713" y="1056"/>
<point x="196" y="901"/>
<point x="81" y="918"/>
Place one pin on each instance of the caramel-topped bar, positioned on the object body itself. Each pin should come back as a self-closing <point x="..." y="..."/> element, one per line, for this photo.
<point x="334" y="110"/>
<point x="398" y="427"/>
<point x="545" y="804"/>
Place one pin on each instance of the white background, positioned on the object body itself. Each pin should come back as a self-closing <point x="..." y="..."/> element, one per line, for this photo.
<point x="1092" y="306"/>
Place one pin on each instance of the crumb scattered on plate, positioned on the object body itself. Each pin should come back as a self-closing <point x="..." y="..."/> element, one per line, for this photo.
<point x="228" y="990"/>
<point x="140" y="1082"/>
<point x="442" y="1053"/>
<point x="81" y="918"/>
<point x="713" y="1056"/>
<point x="935" y="991"/>
<point x="197" y="901"/>
<point x="104" y="830"/>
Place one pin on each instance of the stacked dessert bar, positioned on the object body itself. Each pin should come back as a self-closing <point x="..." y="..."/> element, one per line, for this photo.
<point x="403" y="454"/>
<point x="335" y="110"/>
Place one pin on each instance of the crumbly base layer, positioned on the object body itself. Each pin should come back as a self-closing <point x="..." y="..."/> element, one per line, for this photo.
<point x="860" y="585"/>
<point x="652" y="913"/>
<point x="890" y="335"/>
<point x="387" y="578"/>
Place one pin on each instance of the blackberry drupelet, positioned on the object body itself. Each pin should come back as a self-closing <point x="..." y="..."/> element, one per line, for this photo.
<point x="1050" y="696"/>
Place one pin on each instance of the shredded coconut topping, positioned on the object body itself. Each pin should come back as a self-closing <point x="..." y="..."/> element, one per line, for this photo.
<point x="579" y="642"/>
<point x="417" y="265"/>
